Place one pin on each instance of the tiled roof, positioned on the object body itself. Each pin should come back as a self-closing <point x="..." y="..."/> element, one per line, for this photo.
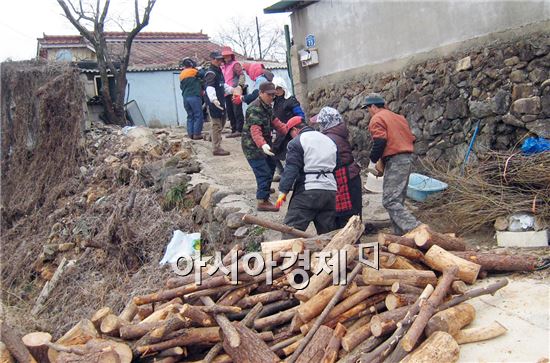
<point x="152" y="50"/>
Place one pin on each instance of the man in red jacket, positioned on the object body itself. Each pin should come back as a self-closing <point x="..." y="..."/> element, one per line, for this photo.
<point x="393" y="144"/>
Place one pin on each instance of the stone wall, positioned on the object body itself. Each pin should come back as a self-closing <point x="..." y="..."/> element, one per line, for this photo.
<point x="505" y="85"/>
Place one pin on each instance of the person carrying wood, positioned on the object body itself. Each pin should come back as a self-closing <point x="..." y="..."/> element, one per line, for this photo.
<point x="392" y="151"/>
<point x="256" y="143"/>
<point x="310" y="163"/>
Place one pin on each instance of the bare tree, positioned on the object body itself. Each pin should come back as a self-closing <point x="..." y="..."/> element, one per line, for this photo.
<point x="241" y="34"/>
<point x="90" y="21"/>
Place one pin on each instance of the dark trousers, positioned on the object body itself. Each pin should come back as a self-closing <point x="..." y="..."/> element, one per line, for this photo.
<point x="263" y="169"/>
<point x="356" y="195"/>
<point x="317" y="206"/>
<point x="234" y="114"/>
<point x="193" y="107"/>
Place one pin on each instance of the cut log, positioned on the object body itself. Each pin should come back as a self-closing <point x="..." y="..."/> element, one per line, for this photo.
<point x="424" y="237"/>
<point x="439" y="347"/>
<point x="267" y="310"/>
<point x="256" y="350"/>
<point x="130" y="310"/>
<point x="389" y="276"/>
<point x="319" y="320"/>
<point x="313" y="244"/>
<point x="95" y="350"/>
<point x="359" y="323"/>
<point x="172" y="352"/>
<point x="163" y="331"/>
<point x="250" y="219"/>
<point x="479" y="334"/>
<point x="383" y="350"/>
<point x="471" y="293"/>
<point x="405" y="251"/>
<point x="428" y="309"/>
<point x="500" y="262"/>
<point x="229" y="331"/>
<point x="314" y="351"/>
<point x="162" y="313"/>
<point x="189" y="336"/>
<point x="331" y="351"/>
<point x="402" y="263"/>
<point x="439" y="259"/>
<point x="459" y="287"/>
<point x="384" y="328"/>
<point x="5" y="355"/>
<point x="394" y="301"/>
<point x="37" y="344"/>
<point x="100" y="315"/>
<point x="50" y="285"/>
<point x="14" y="344"/>
<point x="264" y="298"/>
<point x="346" y="236"/>
<point x="285" y="343"/>
<point x="364" y="347"/>
<point x="323" y="279"/>
<point x="401" y="288"/>
<point x="220" y="309"/>
<point x="81" y="333"/>
<point x="451" y="320"/>
<point x="135" y="331"/>
<point x="110" y="325"/>
<point x="164" y="295"/>
<point x="275" y="319"/>
<point x="196" y="315"/>
<point x="232" y="297"/>
<point x="386" y="239"/>
<point x="314" y="306"/>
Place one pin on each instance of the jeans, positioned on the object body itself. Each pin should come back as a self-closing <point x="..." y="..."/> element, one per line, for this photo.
<point x="263" y="169"/>
<point x="193" y="107"/>
<point x="234" y="114"/>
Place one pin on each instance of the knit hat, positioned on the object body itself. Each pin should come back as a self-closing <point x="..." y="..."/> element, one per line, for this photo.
<point x="295" y="121"/>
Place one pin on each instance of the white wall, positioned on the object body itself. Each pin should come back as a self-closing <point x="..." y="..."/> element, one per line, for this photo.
<point x="355" y="33"/>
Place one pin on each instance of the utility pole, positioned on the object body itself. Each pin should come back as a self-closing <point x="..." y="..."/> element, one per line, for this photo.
<point x="258" y="33"/>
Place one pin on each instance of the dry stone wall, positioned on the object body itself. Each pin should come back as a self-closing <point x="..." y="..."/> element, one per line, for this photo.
<point x="505" y="85"/>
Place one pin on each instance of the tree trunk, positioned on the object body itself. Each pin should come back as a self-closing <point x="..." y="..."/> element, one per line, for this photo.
<point x="439" y="259"/>
<point x="37" y="344"/>
<point x="500" y="262"/>
<point x="323" y="279"/>
<point x="250" y="219"/>
<point x="189" y="336"/>
<point x="419" y="278"/>
<point x="394" y="301"/>
<point x="182" y="290"/>
<point x="333" y="346"/>
<point x="451" y="320"/>
<point x="256" y="350"/>
<point x="428" y="309"/>
<point x="386" y="239"/>
<point x="479" y="334"/>
<point x="405" y="251"/>
<point x="314" y="351"/>
<point x="440" y="347"/>
<point x="425" y="238"/>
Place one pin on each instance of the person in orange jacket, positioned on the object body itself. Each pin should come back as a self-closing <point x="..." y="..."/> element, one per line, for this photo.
<point x="191" y="90"/>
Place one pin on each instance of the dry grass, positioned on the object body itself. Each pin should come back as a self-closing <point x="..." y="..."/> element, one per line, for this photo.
<point x="498" y="185"/>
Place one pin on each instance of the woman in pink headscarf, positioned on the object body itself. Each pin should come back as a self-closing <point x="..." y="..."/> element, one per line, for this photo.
<point x="257" y="73"/>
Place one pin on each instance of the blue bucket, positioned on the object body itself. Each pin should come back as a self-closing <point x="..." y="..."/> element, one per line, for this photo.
<point x="421" y="186"/>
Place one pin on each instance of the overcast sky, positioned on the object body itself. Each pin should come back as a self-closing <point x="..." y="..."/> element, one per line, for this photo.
<point x="23" y="21"/>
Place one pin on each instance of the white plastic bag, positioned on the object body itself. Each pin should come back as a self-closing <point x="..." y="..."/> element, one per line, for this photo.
<point x="519" y="222"/>
<point x="182" y="244"/>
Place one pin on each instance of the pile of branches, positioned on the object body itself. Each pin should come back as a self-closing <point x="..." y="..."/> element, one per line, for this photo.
<point x="499" y="184"/>
<point x="375" y="315"/>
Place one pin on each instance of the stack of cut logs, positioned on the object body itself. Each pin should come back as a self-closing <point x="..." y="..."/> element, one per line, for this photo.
<point x="413" y="309"/>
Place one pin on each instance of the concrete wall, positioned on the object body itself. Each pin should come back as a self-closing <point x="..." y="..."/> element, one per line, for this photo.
<point x="355" y="33"/>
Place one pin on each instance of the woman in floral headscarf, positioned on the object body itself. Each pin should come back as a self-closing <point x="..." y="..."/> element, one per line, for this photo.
<point x="347" y="174"/>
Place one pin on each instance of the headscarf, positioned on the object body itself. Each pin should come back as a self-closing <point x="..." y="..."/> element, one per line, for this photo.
<point x="280" y="82"/>
<point x="328" y="117"/>
<point x="254" y="70"/>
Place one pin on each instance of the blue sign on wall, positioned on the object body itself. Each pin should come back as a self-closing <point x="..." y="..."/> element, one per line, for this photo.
<point x="310" y="40"/>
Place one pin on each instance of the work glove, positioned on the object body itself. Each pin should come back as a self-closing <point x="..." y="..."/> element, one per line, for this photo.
<point x="379" y="168"/>
<point x="217" y="104"/>
<point x="280" y="200"/>
<point x="237" y="100"/>
<point x="267" y="150"/>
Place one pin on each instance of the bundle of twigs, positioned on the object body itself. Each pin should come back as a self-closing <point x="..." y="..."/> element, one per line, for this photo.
<point x="497" y="185"/>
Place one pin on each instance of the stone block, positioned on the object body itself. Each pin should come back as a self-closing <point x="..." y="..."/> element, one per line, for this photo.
<point x="207" y="198"/>
<point x="511" y="61"/>
<point x="518" y="76"/>
<point x="524" y="90"/>
<point x="540" y="127"/>
<point x="512" y="120"/>
<point x="529" y="106"/>
<point x="456" y="108"/>
<point x="522" y="239"/>
<point x="464" y="64"/>
<point x="480" y="109"/>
